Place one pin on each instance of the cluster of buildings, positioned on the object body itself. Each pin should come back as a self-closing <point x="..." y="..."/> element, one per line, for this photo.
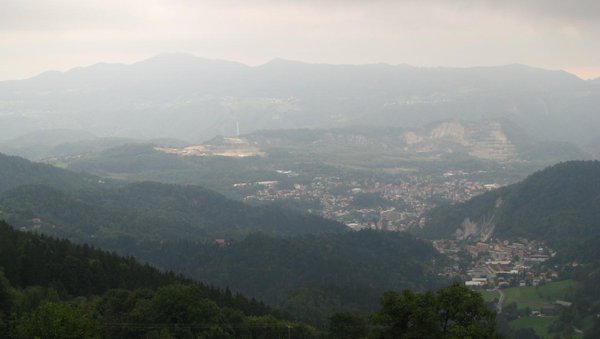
<point x="499" y="263"/>
<point x="397" y="205"/>
<point x="401" y="204"/>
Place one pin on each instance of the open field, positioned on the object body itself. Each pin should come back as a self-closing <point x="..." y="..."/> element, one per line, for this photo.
<point x="540" y="325"/>
<point x="525" y="297"/>
<point x="490" y="295"/>
<point x="537" y="297"/>
<point x="556" y="290"/>
<point x="534" y="298"/>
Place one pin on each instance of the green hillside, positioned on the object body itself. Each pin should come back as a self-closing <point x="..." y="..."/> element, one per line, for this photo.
<point x="308" y="266"/>
<point x="15" y="171"/>
<point x="346" y="271"/>
<point x="52" y="288"/>
<point x="149" y="211"/>
<point x="559" y="205"/>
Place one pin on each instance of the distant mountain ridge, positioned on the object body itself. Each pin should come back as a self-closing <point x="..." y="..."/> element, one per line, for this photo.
<point x="559" y="205"/>
<point x="190" y="98"/>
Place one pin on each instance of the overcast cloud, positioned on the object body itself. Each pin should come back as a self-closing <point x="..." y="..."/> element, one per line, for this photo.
<point x="37" y="35"/>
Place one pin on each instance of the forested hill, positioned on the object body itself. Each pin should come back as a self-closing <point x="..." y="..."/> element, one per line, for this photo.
<point x="172" y="227"/>
<point x="310" y="276"/>
<point x="30" y="260"/>
<point x="305" y="264"/>
<point x="80" y="270"/>
<point x="15" y="171"/>
<point x="560" y="205"/>
<point x="149" y="211"/>
<point x="67" y="204"/>
<point x="52" y="288"/>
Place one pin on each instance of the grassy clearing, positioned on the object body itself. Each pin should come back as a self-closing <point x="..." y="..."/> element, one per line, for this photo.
<point x="489" y="296"/>
<point x="540" y="325"/>
<point x="524" y="297"/>
<point x="537" y="297"/>
<point x="556" y="290"/>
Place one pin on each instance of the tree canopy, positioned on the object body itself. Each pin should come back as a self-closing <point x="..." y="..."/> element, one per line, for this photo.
<point x="451" y="312"/>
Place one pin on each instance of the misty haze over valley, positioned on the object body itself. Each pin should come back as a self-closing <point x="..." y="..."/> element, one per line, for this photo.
<point x="194" y="99"/>
<point x="404" y="169"/>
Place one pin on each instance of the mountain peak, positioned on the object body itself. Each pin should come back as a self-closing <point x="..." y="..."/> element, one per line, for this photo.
<point x="280" y="62"/>
<point x="172" y="58"/>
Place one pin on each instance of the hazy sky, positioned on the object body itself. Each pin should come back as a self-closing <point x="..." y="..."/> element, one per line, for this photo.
<point x="38" y="35"/>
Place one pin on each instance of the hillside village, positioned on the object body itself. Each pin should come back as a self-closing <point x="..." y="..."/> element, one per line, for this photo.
<point x="397" y="206"/>
<point x="367" y="202"/>
<point x="499" y="263"/>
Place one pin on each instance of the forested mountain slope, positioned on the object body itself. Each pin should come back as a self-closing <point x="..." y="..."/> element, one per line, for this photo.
<point x="30" y="260"/>
<point x="16" y="171"/>
<point x="53" y="288"/>
<point x="67" y="204"/>
<point x="310" y="276"/>
<point x="150" y="211"/>
<point x="307" y="265"/>
<point x="559" y="205"/>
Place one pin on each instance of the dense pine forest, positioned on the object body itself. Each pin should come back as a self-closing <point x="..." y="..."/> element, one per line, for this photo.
<point x="51" y="288"/>
<point x="309" y="276"/>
